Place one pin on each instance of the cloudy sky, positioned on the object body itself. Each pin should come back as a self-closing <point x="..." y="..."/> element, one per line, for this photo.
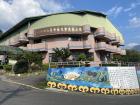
<point x="125" y="14"/>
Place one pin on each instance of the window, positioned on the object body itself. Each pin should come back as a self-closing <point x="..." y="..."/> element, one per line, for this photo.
<point x="37" y="41"/>
<point x="76" y="38"/>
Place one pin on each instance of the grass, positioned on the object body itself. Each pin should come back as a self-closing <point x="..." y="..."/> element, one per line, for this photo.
<point x="41" y="85"/>
<point x="25" y="74"/>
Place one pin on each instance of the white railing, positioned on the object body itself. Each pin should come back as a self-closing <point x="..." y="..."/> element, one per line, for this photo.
<point x="87" y="63"/>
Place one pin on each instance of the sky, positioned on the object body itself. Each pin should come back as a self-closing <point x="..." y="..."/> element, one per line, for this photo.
<point x="124" y="14"/>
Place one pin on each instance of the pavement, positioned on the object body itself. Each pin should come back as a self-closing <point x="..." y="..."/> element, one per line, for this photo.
<point x="28" y="79"/>
<point x="17" y="94"/>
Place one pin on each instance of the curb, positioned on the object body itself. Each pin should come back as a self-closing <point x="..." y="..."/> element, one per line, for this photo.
<point x="30" y="86"/>
<point x="22" y="84"/>
<point x="47" y="89"/>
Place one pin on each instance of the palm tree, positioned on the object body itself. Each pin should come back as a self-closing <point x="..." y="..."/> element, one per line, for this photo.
<point x="61" y="54"/>
<point x="57" y="54"/>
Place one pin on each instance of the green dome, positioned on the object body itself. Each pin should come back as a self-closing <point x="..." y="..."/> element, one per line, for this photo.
<point x="94" y="19"/>
<point x="76" y="19"/>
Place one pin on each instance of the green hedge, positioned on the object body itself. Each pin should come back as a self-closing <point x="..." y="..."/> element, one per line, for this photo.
<point x="7" y="68"/>
<point x="35" y="67"/>
<point x="108" y="64"/>
<point x="45" y="67"/>
<point x="21" y="67"/>
<point x="113" y="65"/>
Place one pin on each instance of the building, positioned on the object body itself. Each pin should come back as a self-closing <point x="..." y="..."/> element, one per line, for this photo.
<point x="81" y="31"/>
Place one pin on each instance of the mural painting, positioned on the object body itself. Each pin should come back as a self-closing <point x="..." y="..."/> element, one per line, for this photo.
<point x="96" y="80"/>
<point x="80" y="76"/>
<point x="138" y="74"/>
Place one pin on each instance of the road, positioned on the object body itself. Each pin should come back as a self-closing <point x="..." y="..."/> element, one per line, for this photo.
<point x="12" y="94"/>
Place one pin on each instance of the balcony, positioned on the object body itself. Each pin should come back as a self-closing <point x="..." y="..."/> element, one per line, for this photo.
<point x="117" y="40"/>
<point x="30" y="33"/>
<point x="102" y="46"/>
<point x="101" y="33"/>
<point x="14" y="42"/>
<point x="23" y="38"/>
<point x="23" y="48"/>
<point x="123" y="52"/>
<point x="86" y="29"/>
<point x="112" y="36"/>
<point x="37" y="47"/>
<point x="113" y="49"/>
<point x="79" y="45"/>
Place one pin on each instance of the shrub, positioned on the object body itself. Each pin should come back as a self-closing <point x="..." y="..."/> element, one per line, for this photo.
<point x="90" y="59"/>
<point x="1" y="67"/>
<point x="35" y="67"/>
<point x="41" y="85"/>
<point x="54" y="66"/>
<point x="108" y="64"/>
<point x="21" y="67"/>
<point x="45" y="66"/>
<point x="82" y="57"/>
<point x="7" y="68"/>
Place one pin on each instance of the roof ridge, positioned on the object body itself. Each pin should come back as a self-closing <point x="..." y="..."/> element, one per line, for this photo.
<point x="91" y="11"/>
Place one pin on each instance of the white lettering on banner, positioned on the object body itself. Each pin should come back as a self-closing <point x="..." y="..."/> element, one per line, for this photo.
<point x="123" y="77"/>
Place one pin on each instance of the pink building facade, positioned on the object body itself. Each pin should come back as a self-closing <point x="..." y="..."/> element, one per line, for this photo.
<point x="94" y="41"/>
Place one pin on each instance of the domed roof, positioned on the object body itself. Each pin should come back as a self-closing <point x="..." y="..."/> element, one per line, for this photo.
<point x="94" y="19"/>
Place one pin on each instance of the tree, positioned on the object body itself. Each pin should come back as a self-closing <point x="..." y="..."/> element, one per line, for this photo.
<point x="1" y="32"/>
<point x="29" y="57"/>
<point x="32" y="57"/>
<point x="82" y="57"/>
<point x="57" y="54"/>
<point x="65" y="53"/>
<point x="61" y="54"/>
<point x="131" y="56"/>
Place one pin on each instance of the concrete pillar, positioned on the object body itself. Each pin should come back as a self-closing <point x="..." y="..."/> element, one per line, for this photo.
<point x="46" y="58"/>
<point x="30" y="35"/>
<point x="97" y="57"/>
<point x="86" y="29"/>
<point x="96" y="54"/>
